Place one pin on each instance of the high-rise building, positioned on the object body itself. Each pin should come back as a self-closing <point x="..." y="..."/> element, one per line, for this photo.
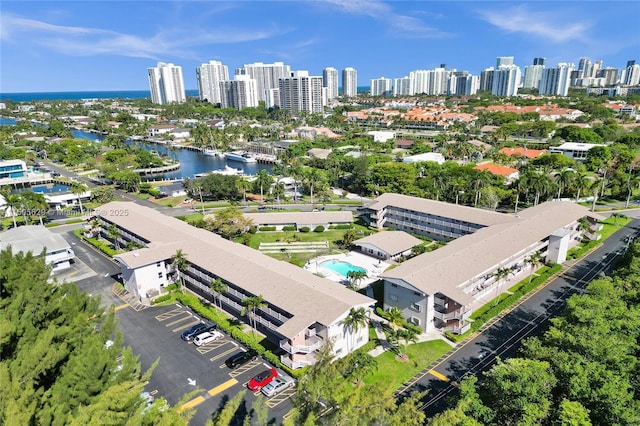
<point x="532" y="75"/>
<point x="486" y="79"/>
<point x="380" y="87"/>
<point x="556" y="81"/>
<point x="506" y="80"/>
<point x="267" y="76"/>
<point x="631" y="75"/>
<point x="166" y="84"/>
<point x="539" y="61"/>
<point x="401" y="86"/>
<point x="349" y="82"/>
<point x="504" y="60"/>
<point x="462" y="83"/>
<point x="301" y="92"/>
<point x="418" y="82"/>
<point x="438" y="79"/>
<point x="330" y="81"/>
<point x="209" y="77"/>
<point x="610" y="75"/>
<point x="239" y="93"/>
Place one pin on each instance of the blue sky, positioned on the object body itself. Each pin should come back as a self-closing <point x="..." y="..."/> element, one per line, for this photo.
<point x="108" y="45"/>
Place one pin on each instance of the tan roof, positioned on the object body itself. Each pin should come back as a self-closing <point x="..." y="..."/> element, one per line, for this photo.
<point x="307" y="297"/>
<point x="300" y="218"/>
<point x="392" y="242"/>
<point x="439" y="208"/>
<point x="449" y="268"/>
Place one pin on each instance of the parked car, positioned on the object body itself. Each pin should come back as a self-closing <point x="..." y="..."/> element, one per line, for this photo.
<point x="241" y="358"/>
<point x="207" y="337"/>
<point x="277" y="385"/>
<point x="262" y="379"/>
<point x="192" y="332"/>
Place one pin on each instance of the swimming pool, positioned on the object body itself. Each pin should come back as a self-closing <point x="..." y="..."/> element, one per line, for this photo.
<point x="341" y="267"/>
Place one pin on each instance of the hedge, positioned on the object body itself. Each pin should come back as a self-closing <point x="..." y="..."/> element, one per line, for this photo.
<point x="319" y="228"/>
<point x="343" y="226"/>
<point x="305" y="229"/>
<point x="267" y="228"/>
<point x="289" y="228"/>
<point x="103" y="247"/>
<point x="212" y="313"/>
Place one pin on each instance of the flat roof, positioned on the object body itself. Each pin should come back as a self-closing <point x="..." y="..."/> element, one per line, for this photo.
<point x="442" y="209"/>
<point x="307" y="297"/>
<point x="32" y="238"/>
<point x="448" y="269"/>
<point x="283" y="218"/>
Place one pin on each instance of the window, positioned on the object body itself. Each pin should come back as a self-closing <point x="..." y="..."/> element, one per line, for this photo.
<point x="394" y="285"/>
<point x="159" y="274"/>
<point x="417" y="293"/>
<point x="414" y="321"/>
<point x="158" y="264"/>
<point x="393" y="297"/>
<point x="416" y="307"/>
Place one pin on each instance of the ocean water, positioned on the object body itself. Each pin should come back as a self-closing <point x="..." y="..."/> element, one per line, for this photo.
<point x="108" y="94"/>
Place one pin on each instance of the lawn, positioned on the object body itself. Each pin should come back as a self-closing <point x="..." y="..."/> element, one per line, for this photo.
<point x="396" y="372"/>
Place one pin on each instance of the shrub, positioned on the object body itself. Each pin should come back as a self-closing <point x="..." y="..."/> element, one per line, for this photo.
<point x="289" y="228"/>
<point x="161" y="299"/>
<point x="305" y="229"/>
<point x="319" y="228"/>
<point x="253" y="230"/>
<point x="343" y="226"/>
<point x="267" y="228"/>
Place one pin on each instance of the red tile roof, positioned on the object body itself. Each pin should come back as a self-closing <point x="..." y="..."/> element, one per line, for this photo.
<point x="523" y="152"/>
<point x="496" y="169"/>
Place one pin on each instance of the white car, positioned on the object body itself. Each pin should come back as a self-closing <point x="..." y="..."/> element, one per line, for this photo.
<point x="207" y="337"/>
<point x="278" y="384"/>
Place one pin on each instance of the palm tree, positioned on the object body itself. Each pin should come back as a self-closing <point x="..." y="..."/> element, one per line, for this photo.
<point x="250" y="305"/>
<point x="263" y="180"/>
<point x="79" y="188"/>
<point x="313" y="178"/>
<point x="564" y="179"/>
<point x="500" y="274"/>
<point x="278" y="191"/>
<point x="114" y="234"/>
<point x="534" y="260"/>
<point x="355" y="277"/>
<point x="243" y="186"/>
<point x="354" y="321"/>
<point x="394" y="316"/>
<point x="180" y="264"/>
<point x="217" y="287"/>
<point x="408" y="335"/>
<point x="14" y="201"/>
<point x="481" y="180"/>
<point x="541" y="184"/>
<point x="359" y="365"/>
<point x="35" y="203"/>
<point x="582" y="182"/>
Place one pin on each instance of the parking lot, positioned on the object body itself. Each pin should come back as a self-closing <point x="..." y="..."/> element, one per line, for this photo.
<point x="154" y="334"/>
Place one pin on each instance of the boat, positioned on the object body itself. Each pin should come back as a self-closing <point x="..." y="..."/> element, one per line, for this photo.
<point x="229" y="171"/>
<point x="210" y="152"/>
<point x="241" y="156"/>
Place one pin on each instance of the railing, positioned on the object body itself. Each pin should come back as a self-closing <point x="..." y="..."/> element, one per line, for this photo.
<point x="438" y="301"/>
<point x="293" y="364"/>
<point x="305" y="349"/>
<point x="452" y="315"/>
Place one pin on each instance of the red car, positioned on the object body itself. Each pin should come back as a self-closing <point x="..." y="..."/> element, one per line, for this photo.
<point x="262" y="379"/>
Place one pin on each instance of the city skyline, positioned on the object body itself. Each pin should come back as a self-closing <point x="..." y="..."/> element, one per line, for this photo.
<point x="96" y="46"/>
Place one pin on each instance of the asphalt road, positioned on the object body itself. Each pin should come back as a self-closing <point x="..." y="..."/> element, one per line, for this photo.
<point x="530" y="318"/>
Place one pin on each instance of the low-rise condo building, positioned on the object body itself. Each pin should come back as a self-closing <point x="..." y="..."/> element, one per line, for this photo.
<point x="302" y="311"/>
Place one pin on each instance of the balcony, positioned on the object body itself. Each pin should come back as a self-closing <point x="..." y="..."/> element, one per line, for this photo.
<point x="311" y="344"/>
<point x="293" y="364"/>
<point x="455" y="315"/>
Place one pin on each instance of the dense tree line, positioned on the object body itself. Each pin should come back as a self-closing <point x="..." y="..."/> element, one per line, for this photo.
<point x="583" y="371"/>
<point x="61" y="357"/>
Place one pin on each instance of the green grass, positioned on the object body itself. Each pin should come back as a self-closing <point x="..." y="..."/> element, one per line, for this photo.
<point x="612" y="224"/>
<point x="397" y="372"/>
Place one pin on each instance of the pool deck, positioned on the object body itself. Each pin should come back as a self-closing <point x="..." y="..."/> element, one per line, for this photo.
<point x="374" y="267"/>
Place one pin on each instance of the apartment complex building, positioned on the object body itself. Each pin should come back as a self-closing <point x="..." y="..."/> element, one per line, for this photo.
<point x="349" y="82"/>
<point x="302" y="312"/>
<point x="438" y="289"/>
<point x="209" y="76"/>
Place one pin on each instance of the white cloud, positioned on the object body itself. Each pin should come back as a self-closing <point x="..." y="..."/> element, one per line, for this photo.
<point x="553" y="26"/>
<point x="399" y="25"/>
<point x="85" y="41"/>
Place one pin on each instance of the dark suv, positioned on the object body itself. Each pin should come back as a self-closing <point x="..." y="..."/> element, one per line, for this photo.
<point x="241" y="358"/>
<point x="192" y="332"/>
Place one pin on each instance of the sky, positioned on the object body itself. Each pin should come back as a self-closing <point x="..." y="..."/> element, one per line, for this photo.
<point x="49" y="46"/>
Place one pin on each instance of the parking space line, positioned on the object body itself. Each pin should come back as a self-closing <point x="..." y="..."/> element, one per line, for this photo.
<point x="244" y="368"/>
<point x="439" y="375"/>
<point x="117" y="308"/>
<point x="186" y="318"/>
<point x="222" y="387"/>
<point x="170" y="314"/>
<point x="280" y="398"/>
<point x="195" y="401"/>
<point x="211" y="346"/>
<point x="227" y="352"/>
<point x="183" y="326"/>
